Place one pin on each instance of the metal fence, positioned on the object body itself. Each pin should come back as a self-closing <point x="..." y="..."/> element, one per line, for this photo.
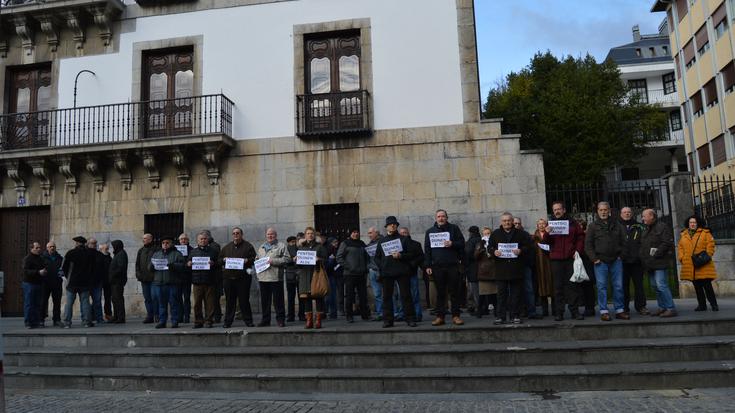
<point x="196" y="115"/>
<point x="333" y="113"/>
<point x="714" y="201"/>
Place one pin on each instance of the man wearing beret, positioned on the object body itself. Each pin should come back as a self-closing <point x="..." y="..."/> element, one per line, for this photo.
<point x="78" y="266"/>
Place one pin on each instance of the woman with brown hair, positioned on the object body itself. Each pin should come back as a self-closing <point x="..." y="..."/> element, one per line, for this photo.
<point x="696" y="249"/>
<point x="543" y="267"/>
<point x="306" y="272"/>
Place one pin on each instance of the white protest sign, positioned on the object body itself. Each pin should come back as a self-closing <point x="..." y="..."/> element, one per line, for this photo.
<point x="234" y="263"/>
<point x="437" y="239"/>
<point x="389" y="247"/>
<point x="559" y="227"/>
<point x="305" y="257"/>
<point x="200" y="263"/>
<point x="544" y="247"/>
<point x="183" y="249"/>
<point x="159" y="264"/>
<point x="262" y="265"/>
<point x="506" y="250"/>
<point x="370" y="249"/>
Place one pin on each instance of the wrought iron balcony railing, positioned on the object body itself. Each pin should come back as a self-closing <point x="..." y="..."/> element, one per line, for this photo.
<point x="120" y="122"/>
<point x="346" y="113"/>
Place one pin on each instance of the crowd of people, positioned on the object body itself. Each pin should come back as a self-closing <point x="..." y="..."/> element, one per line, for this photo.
<point x="507" y="271"/>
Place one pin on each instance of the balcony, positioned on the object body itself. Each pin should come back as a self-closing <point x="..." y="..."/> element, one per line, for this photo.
<point x="667" y="139"/>
<point x="153" y="131"/>
<point x="657" y="97"/>
<point x="340" y="114"/>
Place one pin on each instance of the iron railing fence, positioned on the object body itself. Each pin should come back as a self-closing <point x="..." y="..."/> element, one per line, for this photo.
<point x="333" y="113"/>
<point x="714" y="201"/>
<point x="119" y="122"/>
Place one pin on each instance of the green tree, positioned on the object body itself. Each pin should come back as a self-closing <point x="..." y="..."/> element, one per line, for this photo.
<point x="579" y="112"/>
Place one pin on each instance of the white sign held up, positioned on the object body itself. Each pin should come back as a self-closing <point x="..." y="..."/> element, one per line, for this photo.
<point x="544" y="247"/>
<point x="159" y="264"/>
<point x="389" y="247"/>
<point x="305" y="257"/>
<point x="370" y="249"/>
<point x="506" y="249"/>
<point x="183" y="249"/>
<point x="200" y="263"/>
<point x="559" y="227"/>
<point x="262" y="265"/>
<point x="234" y="263"/>
<point x="437" y="239"/>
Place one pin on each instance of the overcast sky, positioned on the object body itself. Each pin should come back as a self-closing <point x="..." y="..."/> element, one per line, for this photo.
<point x="510" y="32"/>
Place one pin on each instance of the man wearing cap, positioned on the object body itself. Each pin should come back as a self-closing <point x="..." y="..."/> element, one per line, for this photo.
<point x="394" y="256"/>
<point x="167" y="265"/>
<point x="78" y="266"/>
<point x="442" y="263"/>
<point x="145" y="276"/>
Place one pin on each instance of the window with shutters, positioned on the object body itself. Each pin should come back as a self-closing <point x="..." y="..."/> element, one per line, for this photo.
<point x="689" y="57"/>
<point x="681" y="9"/>
<point x="29" y="102"/>
<point x="719" y="20"/>
<point x="335" y="100"/>
<point x="669" y="83"/>
<point x="677" y="69"/>
<point x="710" y="92"/>
<point x="719" y="154"/>
<point x="702" y="39"/>
<point x="704" y="158"/>
<point x="675" y="120"/>
<point x="160" y="225"/>
<point x="168" y="86"/>
<point x="728" y="77"/>
<point x="697" y="107"/>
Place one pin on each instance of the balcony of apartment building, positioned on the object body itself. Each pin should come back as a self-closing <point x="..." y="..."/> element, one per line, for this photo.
<point x="661" y="97"/>
<point x="152" y="132"/>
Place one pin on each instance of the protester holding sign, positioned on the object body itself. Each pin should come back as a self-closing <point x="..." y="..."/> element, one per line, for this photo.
<point x="272" y="259"/>
<point x="442" y="255"/>
<point x="236" y="259"/>
<point x="168" y="266"/>
<point x="543" y="267"/>
<point x="203" y="280"/>
<point x="306" y="272"/>
<point x="509" y="245"/>
<point x="374" y="272"/>
<point x="394" y="258"/>
<point x="353" y="258"/>
<point x="563" y="247"/>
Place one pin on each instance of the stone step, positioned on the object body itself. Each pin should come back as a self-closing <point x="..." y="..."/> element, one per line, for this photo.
<point x="341" y="334"/>
<point x="661" y="375"/>
<point x="381" y="356"/>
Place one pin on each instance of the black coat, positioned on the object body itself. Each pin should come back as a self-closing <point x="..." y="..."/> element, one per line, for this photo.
<point x="418" y="255"/>
<point x="100" y="273"/>
<point x="78" y="267"/>
<point x="470" y="263"/>
<point x="205" y="276"/>
<point x="391" y="267"/>
<point x="604" y="241"/>
<point x="53" y="265"/>
<point x="444" y="256"/>
<point x="661" y="237"/>
<point x="32" y="265"/>
<point x="118" y="273"/>
<point x="510" y="268"/>
<point x="352" y="257"/>
<point x="632" y="246"/>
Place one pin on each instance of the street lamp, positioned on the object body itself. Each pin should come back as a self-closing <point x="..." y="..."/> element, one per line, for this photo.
<point x="76" y="79"/>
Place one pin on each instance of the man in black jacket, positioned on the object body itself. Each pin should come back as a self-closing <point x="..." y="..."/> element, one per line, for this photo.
<point x="118" y="277"/>
<point x="416" y="264"/>
<point x="78" y="266"/>
<point x="510" y="246"/>
<point x="441" y="260"/>
<point x="657" y="248"/>
<point x="604" y="246"/>
<point x="34" y="272"/>
<point x="352" y="257"/>
<point x="53" y="283"/>
<point x="100" y="268"/>
<point x="145" y="276"/>
<point x="632" y="268"/>
<point x="393" y="257"/>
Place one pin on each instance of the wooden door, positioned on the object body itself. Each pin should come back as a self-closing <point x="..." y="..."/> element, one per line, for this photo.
<point x="168" y="90"/>
<point x="29" y="102"/>
<point x="18" y="228"/>
<point x="160" y="225"/>
<point x="336" y="220"/>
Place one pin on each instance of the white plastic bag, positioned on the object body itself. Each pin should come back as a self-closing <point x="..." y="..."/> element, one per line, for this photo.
<point x="580" y="274"/>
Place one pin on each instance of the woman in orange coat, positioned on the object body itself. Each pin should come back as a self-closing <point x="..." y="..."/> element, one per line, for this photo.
<point x="694" y="240"/>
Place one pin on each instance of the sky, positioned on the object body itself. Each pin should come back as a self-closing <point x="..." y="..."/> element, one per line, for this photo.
<point x="510" y="32"/>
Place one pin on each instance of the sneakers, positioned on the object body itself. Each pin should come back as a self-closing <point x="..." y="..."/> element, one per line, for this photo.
<point x="439" y="321"/>
<point x="499" y="321"/>
<point x="644" y="311"/>
<point x="516" y="321"/>
<point x="457" y="321"/>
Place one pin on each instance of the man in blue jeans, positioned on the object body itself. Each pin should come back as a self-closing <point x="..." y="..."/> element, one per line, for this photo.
<point x="657" y="248"/>
<point x="145" y="276"/>
<point x="78" y="266"/>
<point x="34" y="272"/>
<point x="374" y="274"/>
<point x="604" y="247"/>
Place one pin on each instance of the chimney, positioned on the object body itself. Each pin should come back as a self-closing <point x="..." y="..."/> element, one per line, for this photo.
<point x="636" y="33"/>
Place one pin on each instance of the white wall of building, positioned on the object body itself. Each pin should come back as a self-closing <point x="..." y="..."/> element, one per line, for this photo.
<point x="248" y="55"/>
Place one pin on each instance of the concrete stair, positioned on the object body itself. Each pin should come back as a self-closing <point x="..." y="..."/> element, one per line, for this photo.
<point x="644" y="353"/>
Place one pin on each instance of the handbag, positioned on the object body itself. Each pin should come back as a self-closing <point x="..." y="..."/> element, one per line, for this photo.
<point x="319" y="282"/>
<point x="702" y="258"/>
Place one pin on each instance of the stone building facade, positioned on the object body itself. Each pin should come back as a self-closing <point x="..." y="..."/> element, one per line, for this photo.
<point x="252" y="153"/>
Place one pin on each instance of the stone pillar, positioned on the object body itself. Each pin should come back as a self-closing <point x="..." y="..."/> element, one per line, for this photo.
<point x="682" y="206"/>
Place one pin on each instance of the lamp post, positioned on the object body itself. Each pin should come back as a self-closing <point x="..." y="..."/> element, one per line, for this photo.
<point x="76" y="79"/>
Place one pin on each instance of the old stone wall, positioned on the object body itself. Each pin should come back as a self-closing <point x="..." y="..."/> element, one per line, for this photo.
<point x="470" y="170"/>
<point x="725" y="266"/>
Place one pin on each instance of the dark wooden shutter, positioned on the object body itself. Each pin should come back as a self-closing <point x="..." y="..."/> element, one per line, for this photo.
<point x="688" y="52"/>
<point x="160" y="225"/>
<point x="168" y="83"/>
<point x="336" y="220"/>
<point x="718" y="150"/>
<point x="681" y="9"/>
<point x="704" y="158"/>
<point x="701" y="36"/>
